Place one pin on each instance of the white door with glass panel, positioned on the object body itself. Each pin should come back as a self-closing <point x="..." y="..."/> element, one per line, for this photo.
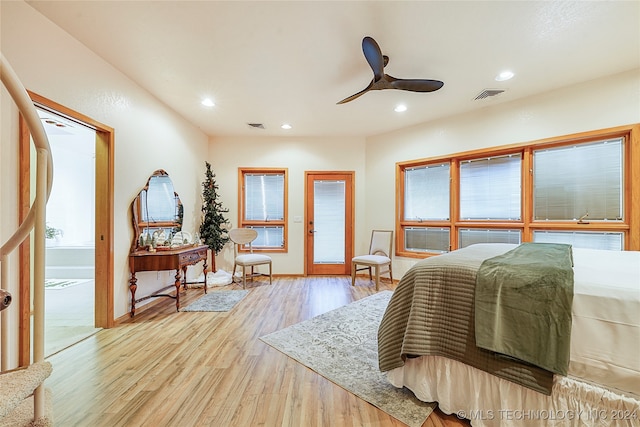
<point x="329" y="222"/>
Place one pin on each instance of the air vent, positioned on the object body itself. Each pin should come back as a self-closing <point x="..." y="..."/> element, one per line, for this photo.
<point x="487" y="93"/>
<point x="256" y="125"/>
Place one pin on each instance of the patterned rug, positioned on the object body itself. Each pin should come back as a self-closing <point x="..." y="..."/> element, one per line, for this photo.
<point x="342" y="346"/>
<point x="217" y="301"/>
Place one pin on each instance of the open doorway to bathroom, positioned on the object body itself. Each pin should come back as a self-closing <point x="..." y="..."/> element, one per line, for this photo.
<point x="102" y="232"/>
<point x="70" y="234"/>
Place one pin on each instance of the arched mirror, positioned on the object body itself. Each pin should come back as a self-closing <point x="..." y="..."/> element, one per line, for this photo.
<point x="156" y="211"/>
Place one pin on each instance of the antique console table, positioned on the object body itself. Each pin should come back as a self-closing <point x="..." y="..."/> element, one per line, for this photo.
<point x="158" y="242"/>
<point x="173" y="259"/>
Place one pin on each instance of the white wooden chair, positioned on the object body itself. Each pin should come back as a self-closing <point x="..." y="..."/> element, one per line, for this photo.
<point x="241" y="237"/>
<point x="379" y="257"/>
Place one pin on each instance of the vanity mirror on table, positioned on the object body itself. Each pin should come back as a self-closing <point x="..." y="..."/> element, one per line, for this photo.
<point x="159" y="242"/>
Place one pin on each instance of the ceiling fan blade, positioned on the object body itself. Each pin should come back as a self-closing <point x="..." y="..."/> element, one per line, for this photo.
<point x="356" y="95"/>
<point x="373" y="55"/>
<point x="416" y="85"/>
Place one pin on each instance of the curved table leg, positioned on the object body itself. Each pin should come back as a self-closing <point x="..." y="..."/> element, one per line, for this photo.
<point x="132" y="287"/>
<point x="204" y="271"/>
<point x="177" y="284"/>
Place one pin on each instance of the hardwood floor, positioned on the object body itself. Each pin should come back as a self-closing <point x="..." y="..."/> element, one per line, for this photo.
<point x="165" y="368"/>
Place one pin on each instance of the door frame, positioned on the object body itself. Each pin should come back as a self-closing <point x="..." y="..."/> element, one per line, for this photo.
<point x="104" y="182"/>
<point x="349" y="220"/>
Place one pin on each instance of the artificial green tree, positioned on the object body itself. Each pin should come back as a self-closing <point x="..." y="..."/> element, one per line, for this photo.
<point x="214" y="227"/>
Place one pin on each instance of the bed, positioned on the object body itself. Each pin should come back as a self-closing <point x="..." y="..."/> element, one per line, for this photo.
<point x="426" y="342"/>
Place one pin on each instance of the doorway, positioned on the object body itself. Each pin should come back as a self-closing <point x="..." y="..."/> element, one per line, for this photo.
<point x="70" y="243"/>
<point x="99" y="232"/>
<point x="329" y="222"/>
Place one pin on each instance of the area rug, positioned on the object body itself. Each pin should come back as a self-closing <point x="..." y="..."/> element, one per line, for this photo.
<point x="342" y="346"/>
<point x="217" y="301"/>
<point x="63" y="283"/>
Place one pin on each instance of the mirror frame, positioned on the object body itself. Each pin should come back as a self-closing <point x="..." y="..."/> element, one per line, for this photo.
<point x="139" y="225"/>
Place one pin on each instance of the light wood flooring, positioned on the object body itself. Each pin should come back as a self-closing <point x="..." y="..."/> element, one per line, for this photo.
<point x="164" y="368"/>
<point x="69" y="316"/>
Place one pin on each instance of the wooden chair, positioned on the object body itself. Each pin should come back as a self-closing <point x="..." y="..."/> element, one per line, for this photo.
<point x="379" y="257"/>
<point x="241" y="237"/>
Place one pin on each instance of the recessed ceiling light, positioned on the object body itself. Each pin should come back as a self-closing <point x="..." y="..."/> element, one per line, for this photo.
<point x="400" y="108"/>
<point x="208" y="102"/>
<point x="286" y="126"/>
<point x="505" y="75"/>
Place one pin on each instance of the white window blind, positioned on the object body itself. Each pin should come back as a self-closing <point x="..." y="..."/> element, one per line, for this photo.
<point x="490" y="188"/>
<point x="427" y="239"/>
<point x="474" y="235"/>
<point x="329" y="222"/>
<point x="268" y="237"/>
<point x="426" y="193"/>
<point x="571" y="182"/>
<point x="264" y="197"/>
<point x="582" y="239"/>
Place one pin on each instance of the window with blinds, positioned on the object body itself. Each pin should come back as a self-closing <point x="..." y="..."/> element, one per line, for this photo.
<point x="579" y="181"/>
<point x="573" y="189"/>
<point x="264" y="197"/>
<point x="490" y="188"/>
<point x="268" y="237"/>
<point x="264" y="206"/>
<point x="427" y="239"/>
<point x="467" y="237"/>
<point x="426" y="195"/>
<point x="584" y="239"/>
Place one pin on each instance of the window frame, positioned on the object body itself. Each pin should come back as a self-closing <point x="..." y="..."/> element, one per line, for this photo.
<point x="244" y="223"/>
<point x="629" y="225"/>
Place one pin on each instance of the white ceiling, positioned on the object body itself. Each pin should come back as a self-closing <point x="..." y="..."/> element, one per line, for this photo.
<point x="291" y="61"/>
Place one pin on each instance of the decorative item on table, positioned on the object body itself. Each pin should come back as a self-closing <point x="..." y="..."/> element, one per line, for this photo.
<point x="163" y="241"/>
<point x="181" y="238"/>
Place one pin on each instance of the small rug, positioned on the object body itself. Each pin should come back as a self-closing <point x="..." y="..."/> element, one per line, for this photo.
<point x="217" y="301"/>
<point x="63" y="283"/>
<point x="342" y="346"/>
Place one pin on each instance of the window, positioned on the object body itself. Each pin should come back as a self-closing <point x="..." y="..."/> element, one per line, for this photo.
<point x="576" y="190"/>
<point x="490" y="188"/>
<point x="427" y="192"/>
<point x="263" y="206"/>
<point x="471" y="236"/>
<point x="579" y="181"/>
<point x="427" y="239"/>
<point x="588" y="240"/>
<point x="425" y="204"/>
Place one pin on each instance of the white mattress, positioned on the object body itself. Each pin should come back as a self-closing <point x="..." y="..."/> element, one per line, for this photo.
<point x="604" y="368"/>
<point x="605" y="333"/>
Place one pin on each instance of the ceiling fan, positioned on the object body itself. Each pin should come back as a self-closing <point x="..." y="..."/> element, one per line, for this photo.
<point x="377" y="61"/>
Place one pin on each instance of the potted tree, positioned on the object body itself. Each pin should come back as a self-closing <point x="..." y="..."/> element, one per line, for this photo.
<point x="214" y="227"/>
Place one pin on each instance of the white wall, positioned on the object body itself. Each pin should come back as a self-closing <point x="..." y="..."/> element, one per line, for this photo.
<point x="227" y="154"/>
<point x="599" y="104"/>
<point x="74" y="173"/>
<point x="148" y="134"/>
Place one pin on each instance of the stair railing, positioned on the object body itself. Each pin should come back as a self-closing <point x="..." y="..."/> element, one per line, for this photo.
<point x="35" y="219"/>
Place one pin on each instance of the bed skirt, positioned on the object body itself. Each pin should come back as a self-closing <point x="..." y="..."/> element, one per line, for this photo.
<point x="488" y="401"/>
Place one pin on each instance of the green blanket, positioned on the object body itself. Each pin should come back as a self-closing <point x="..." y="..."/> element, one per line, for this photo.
<point x="523" y="304"/>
